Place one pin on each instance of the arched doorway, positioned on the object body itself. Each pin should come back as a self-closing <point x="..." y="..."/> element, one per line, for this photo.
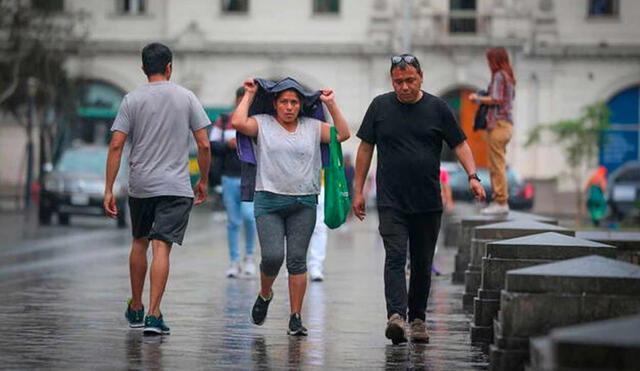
<point x="465" y="111"/>
<point x="620" y="143"/>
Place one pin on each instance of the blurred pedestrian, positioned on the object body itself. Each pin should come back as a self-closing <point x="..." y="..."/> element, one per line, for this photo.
<point x="408" y="126"/>
<point x="287" y="186"/>
<point x="445" y="191"/>
<point x="318" y="243"/>
<point x="223" y="147"/>
<point x="447" y="204"/>
<point x="349" y="172"/>
<point x="596" y="190"/>
<point x="499" y="125"/>
<point x="158" y="118"/>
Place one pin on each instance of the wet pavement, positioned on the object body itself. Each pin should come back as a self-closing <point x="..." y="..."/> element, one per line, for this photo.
<point x="63" y="292"/>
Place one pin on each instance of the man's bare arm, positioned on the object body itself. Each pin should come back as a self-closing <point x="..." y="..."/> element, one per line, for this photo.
<point x="363" y="162"/>
<point x="114" y="156"/>
<point x="204" y="162"/>
<point x="465" y="156"/>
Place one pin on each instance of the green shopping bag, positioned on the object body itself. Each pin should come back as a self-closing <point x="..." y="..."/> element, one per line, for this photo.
<point x="336" y="192"/>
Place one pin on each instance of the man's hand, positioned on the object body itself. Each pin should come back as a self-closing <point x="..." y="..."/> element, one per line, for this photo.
<point x="477" y="190"/>
<point x="250" y="86"/>
<point x="201" y="191"/>
<point x="327" y="96"/>
<point x="358" y="206"/>
<point x="473" y="97"/>
<point x="231" y="143"/>
<point x="109" y="205"/>
<point x="448" y="207"/>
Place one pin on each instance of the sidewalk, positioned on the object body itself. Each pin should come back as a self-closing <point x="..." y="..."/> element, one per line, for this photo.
<point x="66" y="311"/>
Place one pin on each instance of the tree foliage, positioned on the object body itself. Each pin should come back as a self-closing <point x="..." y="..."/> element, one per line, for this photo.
<point x="580" y="138"/>
<point x="35" y="43"/>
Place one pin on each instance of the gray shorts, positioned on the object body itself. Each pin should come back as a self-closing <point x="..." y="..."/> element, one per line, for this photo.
<point x="162" y="218"/>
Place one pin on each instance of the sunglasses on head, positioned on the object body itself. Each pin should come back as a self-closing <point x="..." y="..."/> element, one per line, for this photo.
<point x="410" y="59"/>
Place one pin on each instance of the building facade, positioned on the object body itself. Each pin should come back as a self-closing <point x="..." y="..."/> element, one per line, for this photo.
<point x="566" y="54"/>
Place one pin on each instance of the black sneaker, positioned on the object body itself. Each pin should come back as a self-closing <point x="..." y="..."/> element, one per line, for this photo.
<point x="259" y="310"/>
<point x="295" y="326"/>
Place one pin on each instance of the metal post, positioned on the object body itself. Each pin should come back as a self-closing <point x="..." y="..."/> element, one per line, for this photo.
<point x="32" y="88"/>
<point x="41" y="151"/>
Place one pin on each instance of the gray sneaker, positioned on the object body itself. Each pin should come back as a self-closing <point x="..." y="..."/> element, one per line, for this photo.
<point x="396" y="329"/>
<point x="419" y="332"/>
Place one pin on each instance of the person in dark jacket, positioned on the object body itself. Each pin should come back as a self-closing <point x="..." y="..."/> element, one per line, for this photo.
<point x="223" y="147"/>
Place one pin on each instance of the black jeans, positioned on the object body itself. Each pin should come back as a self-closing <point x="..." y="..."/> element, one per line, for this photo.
<point x="419" y="232"/>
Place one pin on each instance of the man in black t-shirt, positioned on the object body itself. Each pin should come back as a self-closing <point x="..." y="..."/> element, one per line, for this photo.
<point x="408" y="126"/>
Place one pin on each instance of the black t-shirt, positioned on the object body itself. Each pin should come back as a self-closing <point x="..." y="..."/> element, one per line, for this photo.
<point x="409" y="141"/>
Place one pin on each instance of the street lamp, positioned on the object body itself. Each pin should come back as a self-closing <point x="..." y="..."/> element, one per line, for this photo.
<point x="32" y="89"/>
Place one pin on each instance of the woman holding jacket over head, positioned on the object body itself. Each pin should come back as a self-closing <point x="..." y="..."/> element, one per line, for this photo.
<point x="287" y="186"/>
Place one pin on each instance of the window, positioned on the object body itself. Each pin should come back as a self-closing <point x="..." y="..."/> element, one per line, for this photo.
<point x="603" y="8"/>
<point x="97" y="106"/>
<point x="98" y="98"/>
<point x="463" y="5"/>
<point x="326" y="6"/>
<point x="462" y="17"/>
<point x="132" y="7"/>
<point x="235" y="6"/>
<point x="48" y="5"/>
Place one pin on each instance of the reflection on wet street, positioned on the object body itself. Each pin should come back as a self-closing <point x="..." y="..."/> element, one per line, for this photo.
<point x="63" y="293"/>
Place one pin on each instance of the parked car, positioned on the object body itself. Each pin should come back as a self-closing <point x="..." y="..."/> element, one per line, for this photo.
<point x="75" y="186"/>
<point x="623" y="191"/>
<point x="521" y="195"/>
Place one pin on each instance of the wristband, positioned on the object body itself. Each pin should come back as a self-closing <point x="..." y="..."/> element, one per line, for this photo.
<point x="474" y="176"/>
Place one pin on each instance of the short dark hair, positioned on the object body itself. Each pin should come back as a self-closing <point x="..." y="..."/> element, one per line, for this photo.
<point x="240" y="92"/>
<point x="155" y="58"/>
<point x="404" y="64"/>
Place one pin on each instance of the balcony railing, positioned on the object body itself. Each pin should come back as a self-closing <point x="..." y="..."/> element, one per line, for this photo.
<point x="463" y="22"/>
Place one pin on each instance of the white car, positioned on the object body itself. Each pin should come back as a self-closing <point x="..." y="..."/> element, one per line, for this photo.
<point x="75" y="186"/>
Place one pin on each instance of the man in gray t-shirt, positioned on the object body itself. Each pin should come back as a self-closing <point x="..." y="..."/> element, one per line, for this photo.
<point x="159" y="119"/>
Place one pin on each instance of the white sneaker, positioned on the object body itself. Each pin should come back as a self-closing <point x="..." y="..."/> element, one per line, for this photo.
<point x="234" y="270"/>
<point x="316" y="276"/>
<point x="495" y="208"/>
<point x="248" y="266"/>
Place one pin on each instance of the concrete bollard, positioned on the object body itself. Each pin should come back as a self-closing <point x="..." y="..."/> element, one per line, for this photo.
<point x="504" y="255"/>
<point x="612" y="344"/>
<point x="628" y="243"/>
<point x="493" y="232"/>
<point x="467" y="224"/>
<point x="537" y="299"/>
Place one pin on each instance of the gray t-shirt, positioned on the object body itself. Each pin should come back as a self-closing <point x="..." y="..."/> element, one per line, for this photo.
<point x="159" y="118"/>
<point x="288" y="163"/>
